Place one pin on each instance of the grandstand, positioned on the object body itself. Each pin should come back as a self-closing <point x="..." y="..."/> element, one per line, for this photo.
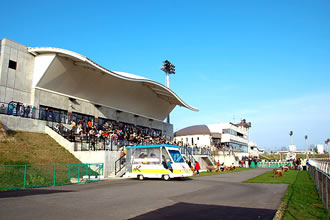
<point x="43" y="86"/>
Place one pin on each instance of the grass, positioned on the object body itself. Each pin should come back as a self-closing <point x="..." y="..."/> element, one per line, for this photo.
<point x="27" y="148"/>
<point x="303" y="156"/>
<point x="218" y="173"/>
<point x="21" y="148"/>
<point x="301" y="199"/>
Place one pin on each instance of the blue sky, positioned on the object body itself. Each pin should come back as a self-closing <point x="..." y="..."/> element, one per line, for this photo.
<point x="266" y="61"/>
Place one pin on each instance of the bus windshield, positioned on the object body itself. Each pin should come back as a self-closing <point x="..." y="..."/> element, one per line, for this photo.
<point x="176" y="156"/>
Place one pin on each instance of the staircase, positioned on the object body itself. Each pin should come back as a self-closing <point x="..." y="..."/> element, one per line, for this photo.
<point x="199" y="155"/>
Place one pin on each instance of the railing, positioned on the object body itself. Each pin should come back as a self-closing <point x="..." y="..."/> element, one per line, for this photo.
<point x="195" y="150"/>
<point x="189" y="152"/>
<point x="319" y="171"/>
<point x="19" y="109"/>
<point x="31" y="176"/>
<point x="120" y="164"/>
<point x="92" y="143"/>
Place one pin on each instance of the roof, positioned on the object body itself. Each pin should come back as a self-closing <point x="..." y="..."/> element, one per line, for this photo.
<point x="193" y="130"/>
<point x="153" y="146"/>
<point x="68" y="73"/>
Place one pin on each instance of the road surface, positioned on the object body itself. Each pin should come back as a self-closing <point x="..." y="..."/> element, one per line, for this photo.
<point x="212" y="197"/>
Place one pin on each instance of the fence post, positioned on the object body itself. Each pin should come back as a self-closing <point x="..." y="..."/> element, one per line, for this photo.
<point x="25" y="169"/>
<point x="78" y="174"/>
<point x="322" y="198"/>
<point x="69" y="174"/>
<point x="102" y="169"/>
<point x="54" y="175"/>
<point x="327" y="193"/>
<point x="87" y="166"/>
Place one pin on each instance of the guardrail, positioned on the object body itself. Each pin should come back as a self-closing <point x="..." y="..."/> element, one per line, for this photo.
<point x="320" y="173"/>
<point x="32" y="176"/>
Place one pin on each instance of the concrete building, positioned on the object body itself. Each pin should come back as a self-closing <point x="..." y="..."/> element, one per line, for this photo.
<point x="227" y="141"/>
<point x="253" y="149"/>
<point x="320" y="148"/>
<point x="197" y="135"/>
<point x="69" y="84"/>
<point x="292" y="148"/>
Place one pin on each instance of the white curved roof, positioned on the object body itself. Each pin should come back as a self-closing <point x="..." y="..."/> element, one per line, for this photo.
<point x="68" y="73"/>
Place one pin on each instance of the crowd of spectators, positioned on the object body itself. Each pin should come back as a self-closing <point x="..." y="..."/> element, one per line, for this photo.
<point x="18" y="109"/>
<point x="119" y="134"/>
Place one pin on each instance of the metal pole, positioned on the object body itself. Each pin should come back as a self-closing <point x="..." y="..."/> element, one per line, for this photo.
<point x="306" y="147"/>
<point x="87" y="166"/>
<point x="99" y="173"/>
<point x="69" y="173"/>
<point x="168" y="86"/>
<point x="54" y="175"/>
<point x="78" y="174"/>
<point x="326" y="189"/>
<point x="25" y="168"/>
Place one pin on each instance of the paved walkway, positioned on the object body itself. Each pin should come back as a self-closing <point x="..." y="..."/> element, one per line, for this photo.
<point x="212" y="197"/>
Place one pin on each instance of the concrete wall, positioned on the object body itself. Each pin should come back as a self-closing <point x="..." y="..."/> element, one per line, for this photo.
<point x="226" y="158"/>
<point x="22" y="124"/>
<point x="200" y="140"/>
<point x="15" y="85"/>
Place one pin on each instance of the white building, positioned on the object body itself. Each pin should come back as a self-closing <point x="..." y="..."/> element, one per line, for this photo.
<point x="292" y="148"/>
<point x="197" y="136"/>
<point x="228" y="141"/>
<point x="253" y="149"/>
<point x="320" y="148"/>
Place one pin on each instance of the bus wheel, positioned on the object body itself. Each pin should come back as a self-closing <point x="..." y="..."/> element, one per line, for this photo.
<point x="140" y="177"/>
<point x="166" y="177"/>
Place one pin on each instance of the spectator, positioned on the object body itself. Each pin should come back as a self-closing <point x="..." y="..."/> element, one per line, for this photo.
<point x="197" y="167"/>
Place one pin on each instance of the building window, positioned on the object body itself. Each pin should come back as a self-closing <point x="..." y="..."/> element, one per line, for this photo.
<point x="12" y="64"/>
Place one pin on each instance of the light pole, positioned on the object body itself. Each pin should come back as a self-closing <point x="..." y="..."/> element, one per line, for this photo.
<point x="306" y="137"/>
<point x="291" y="135"/>
<point x="168" y="68"/>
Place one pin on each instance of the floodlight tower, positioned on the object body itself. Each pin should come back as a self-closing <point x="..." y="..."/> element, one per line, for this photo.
<point x="168" y="68"/>
<point x="306" y="137"/>
<point x="291" y="135"/>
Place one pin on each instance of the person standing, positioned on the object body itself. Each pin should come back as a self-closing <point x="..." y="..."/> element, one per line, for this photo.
<point x="303" y="164"/>
<point x="197" y="167"/>
<point x="189" y="164"/>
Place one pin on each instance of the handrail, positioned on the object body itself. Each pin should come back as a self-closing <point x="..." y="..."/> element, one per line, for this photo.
<point x="121" y="165"/>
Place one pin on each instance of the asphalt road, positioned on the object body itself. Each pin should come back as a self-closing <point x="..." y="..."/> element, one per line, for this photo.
<point x="212" y="197"/>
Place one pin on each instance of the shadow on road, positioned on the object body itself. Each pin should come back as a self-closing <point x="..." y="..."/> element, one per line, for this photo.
<point x="200" y="211"/>
<point x="30" y="192"/>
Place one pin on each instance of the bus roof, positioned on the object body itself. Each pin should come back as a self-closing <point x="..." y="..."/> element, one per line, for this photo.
<point x="150" y="146"/>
